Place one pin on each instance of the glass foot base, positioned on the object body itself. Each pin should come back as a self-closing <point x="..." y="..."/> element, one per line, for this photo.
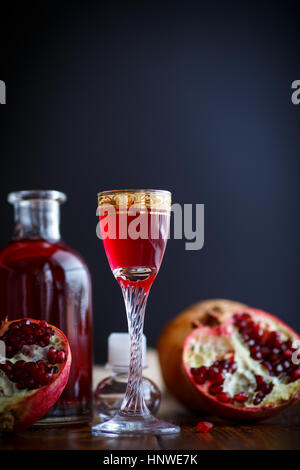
<point x="134" y="425"/>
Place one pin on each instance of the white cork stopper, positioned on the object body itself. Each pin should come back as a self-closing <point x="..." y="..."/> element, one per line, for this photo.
<point x="119" y="350"/>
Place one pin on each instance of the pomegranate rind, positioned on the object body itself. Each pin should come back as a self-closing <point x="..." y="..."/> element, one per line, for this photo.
<point x="208" y="402"/>
<point x="25" y="408"/>
<point x="171" y="341"/>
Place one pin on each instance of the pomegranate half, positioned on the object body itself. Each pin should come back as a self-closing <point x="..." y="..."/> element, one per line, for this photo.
<point x="243" y="365"/>
<point x="171" y="341"/>
<point x="34" y="374"/>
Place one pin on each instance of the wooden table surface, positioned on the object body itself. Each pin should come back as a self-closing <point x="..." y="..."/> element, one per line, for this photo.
<point x="282" y="432"/>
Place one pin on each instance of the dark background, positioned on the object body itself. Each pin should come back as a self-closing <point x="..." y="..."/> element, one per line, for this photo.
<point x="193" y="97"/>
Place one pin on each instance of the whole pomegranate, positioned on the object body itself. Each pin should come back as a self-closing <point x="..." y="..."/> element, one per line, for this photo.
<point x="171" y="341"/>
<point x="240" y="364"/>
<point x="36" y="370"/>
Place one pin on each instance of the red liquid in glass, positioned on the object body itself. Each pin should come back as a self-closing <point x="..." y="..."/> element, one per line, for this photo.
<point x="49" y="281"/>
<point x="141" y="252"/>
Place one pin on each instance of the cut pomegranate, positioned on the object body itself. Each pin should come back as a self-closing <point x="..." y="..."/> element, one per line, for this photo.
<point x="35" y="372"/>
<point x="204" y="426"/>
<point x="247" y="356"/>
<point x="170" y="345"/>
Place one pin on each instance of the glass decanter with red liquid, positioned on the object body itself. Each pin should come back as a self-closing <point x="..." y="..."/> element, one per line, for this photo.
<point x="42" y="278"/>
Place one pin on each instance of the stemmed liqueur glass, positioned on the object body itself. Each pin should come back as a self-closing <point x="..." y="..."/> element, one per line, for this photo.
<point x="134" y="227"/>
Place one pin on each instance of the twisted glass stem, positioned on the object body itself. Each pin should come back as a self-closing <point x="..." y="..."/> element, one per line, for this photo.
<point x="135" y="302"/>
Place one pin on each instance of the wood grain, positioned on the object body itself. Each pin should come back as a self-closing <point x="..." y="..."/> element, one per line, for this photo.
<point x="282" y="432"/>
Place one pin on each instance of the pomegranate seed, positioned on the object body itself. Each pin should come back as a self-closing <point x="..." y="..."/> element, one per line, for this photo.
<point x="259" y="381"/>
<point x="237" y="317"/>
<point x="274" y="339"/>
<point x="287" y="354"/>
<point x="251" y="328"/>
<point x="19" y="364"/>
<point x="52" y="359"/>
<point x="241" y="320"/>
<point x="38" y="332"/>
<point x="262" y="385"/>
<point x="14" y="326"/>
<point x="28" y="330"/>
<point x="278" y="369"/>
<point x="44" y="341"/>
<point x="52" y="353"/>
<point x="29" y="339"/>
<point x="8" y="366"/>
<point x="14" y="339"/>
<point x="41" y="365"/>
<point x="223" y="397"/>
<point x="204" y="426"/>
<point x="258" y="334"/>
<point x="23" y="374"/>
<point x="219" y="378"/>
<point x="263" y="339"/>
<point x="258" y="398"/>
<point x="215" y="388"/>
<point x="31" y="367"/>
<point x="20" y="345"/>
<point x="267" y="365"/>
<point x="241" y="397"/>
<point x="43" y="324"/>
<point x="286" y="365"/>
<point x="227" y="364"/>
<point x="275" y="351"/>
<point x="273" y="358"/>
<point x="61" y="357"/>
<point x="47" y="378"/>
<point x="265" y="351"/>
<point x="254" y="349"/>
<point x="203" y="370"/>
<point x="295" y="375"/>
<point x="213" y="372"/>
<point x="199" y="378"/>
<point x="246" y="316"/>
<point x="30" y="383"/>
<point x="39" y="376"/>
<point x="257" y="356"/>
<point x="199" y="374"/>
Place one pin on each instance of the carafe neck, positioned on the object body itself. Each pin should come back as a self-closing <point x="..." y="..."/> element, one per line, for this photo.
<point x="37" y="217"/>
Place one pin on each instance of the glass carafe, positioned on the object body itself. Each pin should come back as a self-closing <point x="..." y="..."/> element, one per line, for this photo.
<point x="42" y="278"/>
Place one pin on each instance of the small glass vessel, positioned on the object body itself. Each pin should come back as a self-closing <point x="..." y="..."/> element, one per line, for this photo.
<point x="110" y="392"/>
<point x="42" y="278"/>
<point x="135" y="255"/>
